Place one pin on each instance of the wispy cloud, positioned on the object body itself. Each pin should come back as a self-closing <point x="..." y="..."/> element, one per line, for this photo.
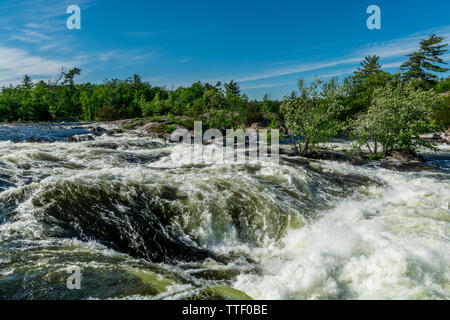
<point x="15" y="63"/>
<point x="265" y="85"/>
<point x="298" y="69"/>
<point x="393" y="49"/>
<point x="30" y="36"/>
<point x="185" y="60"/>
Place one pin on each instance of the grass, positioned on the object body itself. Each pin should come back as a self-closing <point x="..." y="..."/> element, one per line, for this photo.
<point x="376" y="156"/>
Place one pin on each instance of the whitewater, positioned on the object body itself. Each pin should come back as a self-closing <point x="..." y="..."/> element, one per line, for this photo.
<point x="142" y="225"/>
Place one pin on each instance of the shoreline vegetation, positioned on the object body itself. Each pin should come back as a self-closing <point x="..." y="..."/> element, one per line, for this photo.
<point x="387" y="116"/>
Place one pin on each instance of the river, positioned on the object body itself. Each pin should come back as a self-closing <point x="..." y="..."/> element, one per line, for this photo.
<point x="141" y="225"/>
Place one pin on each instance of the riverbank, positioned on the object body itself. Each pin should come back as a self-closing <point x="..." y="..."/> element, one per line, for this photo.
<point x="339" y="149"/>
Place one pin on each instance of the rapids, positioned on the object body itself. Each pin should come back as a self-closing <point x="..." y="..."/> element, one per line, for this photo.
<point x="142" y="225"/>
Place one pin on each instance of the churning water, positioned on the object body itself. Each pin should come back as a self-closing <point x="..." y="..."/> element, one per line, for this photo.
<point x="140" y="225"/>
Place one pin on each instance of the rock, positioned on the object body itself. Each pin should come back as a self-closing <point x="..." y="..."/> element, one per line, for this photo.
<point x="157" y="283"/>
<point x="111" y="146"/>
<point x="257" y="126"/>
<point x="222" y="293"/>
<point x="431" y="136"/>
<point x="405" y="160"/>
<point x="406" y="155"/>
<point x="397" y="165"/>
<point x="80" y="138"/>
<point x="98" y="129"/>
<point x="115" y="131"/>
<point x="151" y="126"/>
<point x="325" y="155"/>
<point x="37" y="140"/>
<point x="445" y="136"/>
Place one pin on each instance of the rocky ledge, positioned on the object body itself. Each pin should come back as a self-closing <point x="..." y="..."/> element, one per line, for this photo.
<point x="406" y="160"/>
<point x="400" y="160"/>
<point x="440" y="137"/>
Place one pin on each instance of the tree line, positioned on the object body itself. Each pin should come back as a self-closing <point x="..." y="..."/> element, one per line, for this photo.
<point x="130" y="98"/>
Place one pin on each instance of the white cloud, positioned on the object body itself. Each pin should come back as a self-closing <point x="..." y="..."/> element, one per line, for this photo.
<point x="30" y="36"/>
<point x="15" y="63"/>
<point x="297" y="69"/>
<point x="265" y="85"/>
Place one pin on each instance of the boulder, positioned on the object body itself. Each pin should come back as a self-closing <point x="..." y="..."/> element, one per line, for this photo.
<point x="98" y="129"/>
<point x="221" y="293"/>
<point x="431" y="136"/>
<point x="151" y="126"/>
<point x="405" y="160"/>
<point x="81" y="138"/>
<point x="257" y="126"/>
<point x="445" y="136"/>
<point x="37" y="140"/>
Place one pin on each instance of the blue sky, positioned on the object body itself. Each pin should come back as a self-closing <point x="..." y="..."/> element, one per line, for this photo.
<point x="264" y="45"/>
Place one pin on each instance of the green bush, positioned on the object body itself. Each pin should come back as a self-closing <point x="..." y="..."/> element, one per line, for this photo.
<point x="376" y="156"/>
<point x="397" y="117"/>
<point x="170" y="128"/>
<point x="314" y="113"/>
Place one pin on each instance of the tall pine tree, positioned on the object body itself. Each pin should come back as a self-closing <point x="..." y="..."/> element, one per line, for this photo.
<point x="364" y="81"/>
<point x="423" y="64"/>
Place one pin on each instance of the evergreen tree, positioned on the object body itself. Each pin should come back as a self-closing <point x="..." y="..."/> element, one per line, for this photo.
<point x="369" y="66"/>
<point x="232" y="88"/>
<point x="424" y="63"/>
<point x="26" y="82"/>
<point x="364" y="81"/>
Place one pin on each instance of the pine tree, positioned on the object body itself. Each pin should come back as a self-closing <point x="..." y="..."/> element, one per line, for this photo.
<point x="369" y="65"/>
<point x="364" y="81"/>
<point x="424" y="63"/>
<point x="27" y="83"/>
<point x="232" y="88"/>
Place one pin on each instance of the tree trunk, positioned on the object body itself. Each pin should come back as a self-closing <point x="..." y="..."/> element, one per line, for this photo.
<point x="368" y="147"/>
<point x="305" y="148"/>
<point x="296" y="148"/>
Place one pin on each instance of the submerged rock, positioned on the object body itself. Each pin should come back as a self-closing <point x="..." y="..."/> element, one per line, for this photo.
<point x="222" y="293"/>
<point x="111" y="146"/>
<point x="157" y="283"/>
<point x="128" y="218"/>
<point x="98" y="129"/>
<point x="81" y="138"/>
<point x="37" y="140"/>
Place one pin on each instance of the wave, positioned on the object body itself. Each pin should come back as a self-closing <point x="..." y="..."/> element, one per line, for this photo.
<point x="127" y="211"/>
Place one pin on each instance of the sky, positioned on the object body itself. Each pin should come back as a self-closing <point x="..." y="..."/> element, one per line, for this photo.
<point x="266" y="46"/>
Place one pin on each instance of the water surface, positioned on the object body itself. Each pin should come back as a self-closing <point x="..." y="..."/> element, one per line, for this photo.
<point x="141" y="225"/>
